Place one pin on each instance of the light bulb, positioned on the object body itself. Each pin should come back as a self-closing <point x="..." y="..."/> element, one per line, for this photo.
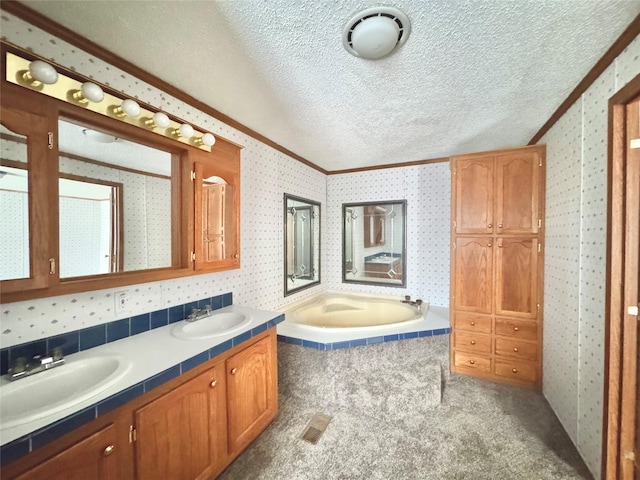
<point x="40" y="72"/>
<point x="185" y="131"/>
<point x="89" y="92"/>
<point x="128" y="107"/>
<point x="207" y="139"/>
<point x="161" y="120"/>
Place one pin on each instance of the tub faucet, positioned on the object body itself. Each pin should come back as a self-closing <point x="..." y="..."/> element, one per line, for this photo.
<point x="22" y="367"/>
<point x="416" y="303"/>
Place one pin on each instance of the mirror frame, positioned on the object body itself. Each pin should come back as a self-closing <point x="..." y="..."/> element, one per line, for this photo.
<point x="315" y="240"/>
<point x="370" y="280"/>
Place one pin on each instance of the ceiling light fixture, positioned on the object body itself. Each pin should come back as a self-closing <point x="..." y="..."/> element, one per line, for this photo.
<point x="376" y="32"/>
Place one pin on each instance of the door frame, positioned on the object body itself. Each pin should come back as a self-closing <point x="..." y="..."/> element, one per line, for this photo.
<point x="614" y="437"/>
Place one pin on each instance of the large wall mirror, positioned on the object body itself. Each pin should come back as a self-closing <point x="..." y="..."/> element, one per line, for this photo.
<point x="374" y="243"/>
<point x="302" y="243"/>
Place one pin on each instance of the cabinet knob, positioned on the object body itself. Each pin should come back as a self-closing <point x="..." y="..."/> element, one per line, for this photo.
<point x="108" y="450"/>
<point x="237" y="255"/>
<point x="472" y="362"/>
<point x="489" y="225"/>
<point x="489" y="244"/>
<point x="515" y="349"/>
<point x="233" y="371"/>
<point x="514" y="370"/>
<point x="499" y="225"/>
<point x="515" y="329"/>
<point x="473" y="324"/>
<point x="213" y="383"/>
<point x="473" y="342"/>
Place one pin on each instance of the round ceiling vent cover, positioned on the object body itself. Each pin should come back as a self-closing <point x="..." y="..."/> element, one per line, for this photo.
<point x="376" y="32"/>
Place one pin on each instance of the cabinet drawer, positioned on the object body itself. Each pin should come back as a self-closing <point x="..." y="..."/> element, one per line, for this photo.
<point x="471" y="361"/>
<point x="508" y="347"/>
<point x="527" y="330"/>
<point x="472" y="323"/>
<point x="472" y="342"/>
<point x="516" y="370"/>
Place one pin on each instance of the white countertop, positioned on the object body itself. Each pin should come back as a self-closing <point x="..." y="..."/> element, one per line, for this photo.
<point x="150" y="353"/>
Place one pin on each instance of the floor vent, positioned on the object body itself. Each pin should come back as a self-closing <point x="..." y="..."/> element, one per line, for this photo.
<point x="315" y="428"/>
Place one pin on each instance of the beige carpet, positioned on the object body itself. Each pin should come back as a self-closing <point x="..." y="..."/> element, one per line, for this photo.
<point x="388" y="421"/>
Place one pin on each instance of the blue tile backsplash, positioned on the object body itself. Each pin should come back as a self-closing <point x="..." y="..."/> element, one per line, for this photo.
<point x="87" y="338"/>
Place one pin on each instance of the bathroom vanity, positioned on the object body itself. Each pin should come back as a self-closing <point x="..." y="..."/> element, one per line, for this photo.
<point x="190" y="427"/>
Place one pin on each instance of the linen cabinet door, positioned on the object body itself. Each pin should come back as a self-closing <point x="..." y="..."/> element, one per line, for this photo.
<point x="474" y="195"/>
<point x="252" y="392"/>
<point x="517" y="277"/>
<point x="180" y="433"/>
<point x="473" y="274"/>
<point x="518" y="192"/>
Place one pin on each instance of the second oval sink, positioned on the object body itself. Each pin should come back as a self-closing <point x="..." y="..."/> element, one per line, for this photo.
<point x="215" y="325"/>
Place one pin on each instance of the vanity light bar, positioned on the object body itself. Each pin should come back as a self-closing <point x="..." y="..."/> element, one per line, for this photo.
<point x="90" y="96"/>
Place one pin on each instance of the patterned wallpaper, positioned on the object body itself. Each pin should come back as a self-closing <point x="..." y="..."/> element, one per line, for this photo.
<point x="265" y="175"/>
<point x="427" y="189"/>
<point x="575" y="259"/>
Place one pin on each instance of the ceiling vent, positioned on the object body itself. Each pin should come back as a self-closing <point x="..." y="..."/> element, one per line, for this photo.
<point x="376" y="32"/>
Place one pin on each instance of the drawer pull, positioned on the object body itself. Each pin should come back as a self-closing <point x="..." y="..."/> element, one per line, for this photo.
<point x="515" y="329"/>
<point x="514" y="370"/>
<point x="233" y="371"/>
<point x="473" y="324"/>
<point x="472" y="362"/>
<point x="108" y="450"/>
<point x="214" y="383"/>
<point x="515" y="349"/>
<point x="473" y="342"/>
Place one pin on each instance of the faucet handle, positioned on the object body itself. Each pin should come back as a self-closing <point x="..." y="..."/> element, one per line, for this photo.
<point x="57" y="354"/>
<point x="18" y="365"/>
<point x="207" y="308"/>
<point x="407" y="298"/>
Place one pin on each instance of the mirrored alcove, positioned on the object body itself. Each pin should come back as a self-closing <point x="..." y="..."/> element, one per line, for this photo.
<point x="301" y="243"/>
<point x="374" y="243"/>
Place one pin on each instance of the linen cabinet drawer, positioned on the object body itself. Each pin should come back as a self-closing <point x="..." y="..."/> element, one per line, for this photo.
<point x="473" y="362"/>
<point x="523" y="329"/>
<point x="472" y="342"/>
<point x="516" y="370"/>
<point x="472" y="323"/>
<point x="507" y="347"/>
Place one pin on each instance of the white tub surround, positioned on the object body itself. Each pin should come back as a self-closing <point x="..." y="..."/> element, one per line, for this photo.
<point x="154" y="357"/>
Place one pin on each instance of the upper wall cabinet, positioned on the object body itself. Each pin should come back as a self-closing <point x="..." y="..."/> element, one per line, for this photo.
<point x="89" y="200"/>
<point x="500" y="193"/>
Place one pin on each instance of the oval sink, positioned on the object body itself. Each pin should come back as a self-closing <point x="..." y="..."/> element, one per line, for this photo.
<point x="215" y="325"/>
<point x="48" y="392"/>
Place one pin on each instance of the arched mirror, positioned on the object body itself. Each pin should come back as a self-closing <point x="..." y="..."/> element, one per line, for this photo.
<point x="302" y="243"/>
<point x="374" y="243"/>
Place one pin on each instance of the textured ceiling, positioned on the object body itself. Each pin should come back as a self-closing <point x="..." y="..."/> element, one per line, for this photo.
<point x="474" y="75"/>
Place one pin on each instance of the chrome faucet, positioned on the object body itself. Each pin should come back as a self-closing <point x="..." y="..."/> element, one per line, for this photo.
<point x="416" y="303"/>
<point x="23" y="367"/>
<point x="199" y="313"/>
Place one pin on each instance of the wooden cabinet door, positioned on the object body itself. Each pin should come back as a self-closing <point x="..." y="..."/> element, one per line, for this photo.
<point x="518" y="192"/>
<point x="179" y="435"/>
<point x="252" y="392"/>
<point x="517" y="277"/>
<point x="473" y="274"/>
<point x="96" y="457"/>
<point x="474" y="195"/>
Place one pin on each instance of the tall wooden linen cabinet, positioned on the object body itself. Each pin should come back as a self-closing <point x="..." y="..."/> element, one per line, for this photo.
<point x="497" y="234"/>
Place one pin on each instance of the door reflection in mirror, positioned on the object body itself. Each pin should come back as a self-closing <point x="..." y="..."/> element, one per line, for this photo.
<point x="125" y="227"/>
<point x="302" y="243"/>
<point x="374" y="242"/>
